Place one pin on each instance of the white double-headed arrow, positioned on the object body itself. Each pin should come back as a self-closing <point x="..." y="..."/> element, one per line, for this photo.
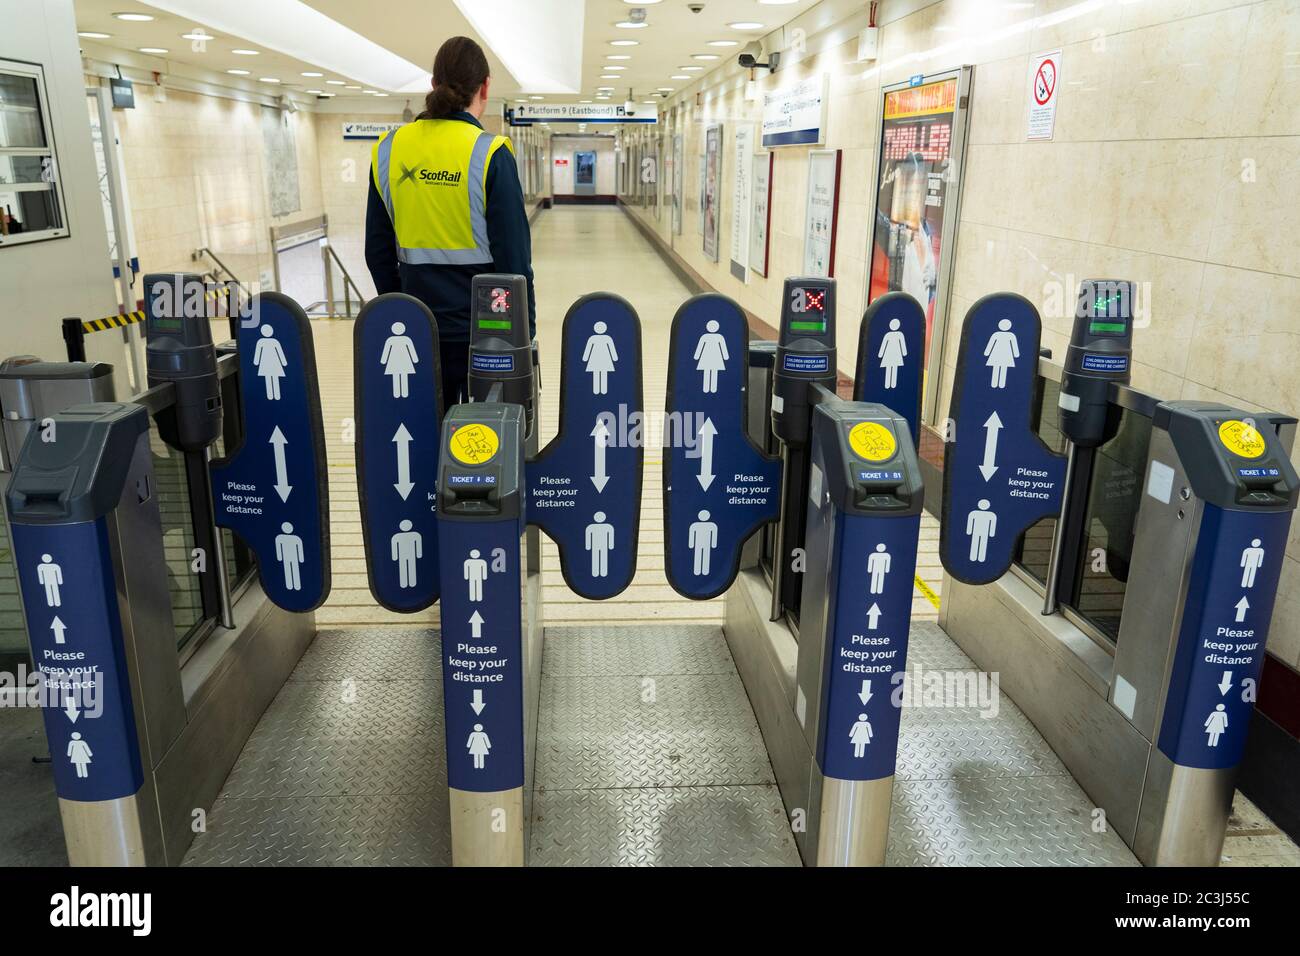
<point x="1225" y="685"/>
<point x="991" y="428"/>
<point x="59" y="629"/>
<point x="476" y="625"/>
<point x="600" y="441"/>
<point x="707" y="434"/>
<point x="478" y="703"/>
<point x="402" y="439"/>
<point x="864" y="695"/>
<point x="282" y="486"/>
<point x="873" y="616"/>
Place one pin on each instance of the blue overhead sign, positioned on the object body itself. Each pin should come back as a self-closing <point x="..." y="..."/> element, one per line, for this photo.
<point x="70" y="598"/>
<point x="876" y="563"/>
<point x="482" y="654"/>
<point x="397" y="383"/>
<point x="274" y="490"/>
<point x="891" y="346"/>
<point x="999" y="478"/>
<point x="1220" y="652"/>
<point x="584" y="489"/>
<point x="718" y="487"/>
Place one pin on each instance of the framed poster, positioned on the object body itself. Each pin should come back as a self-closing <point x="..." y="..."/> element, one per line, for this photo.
<point x="712" y="190"/>
<point x="922" y="141"/>
<point x="676" y="179"/>
<point x="821" y="214"/>
<point x="761" y="223"/>
<point x="699" y="196"/>
<point x="795" y="115"/>
<point x="741" y="196"/>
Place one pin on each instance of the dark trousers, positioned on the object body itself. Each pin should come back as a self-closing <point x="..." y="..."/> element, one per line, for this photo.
<point x="454" y="358"/>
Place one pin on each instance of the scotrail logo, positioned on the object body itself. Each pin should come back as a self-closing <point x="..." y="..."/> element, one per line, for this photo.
<point x="430" y="177"/>
<point x="77" y="909"/>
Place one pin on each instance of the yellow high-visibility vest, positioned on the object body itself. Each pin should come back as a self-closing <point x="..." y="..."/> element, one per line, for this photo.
<point x="432" y="175"/>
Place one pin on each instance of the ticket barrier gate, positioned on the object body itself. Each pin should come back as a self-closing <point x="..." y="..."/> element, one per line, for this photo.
<point x="1155" y="730"/>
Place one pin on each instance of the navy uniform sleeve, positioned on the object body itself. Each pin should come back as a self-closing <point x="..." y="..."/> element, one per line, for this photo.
<point x="507" y="225"/>
<point x="381" y="244"/>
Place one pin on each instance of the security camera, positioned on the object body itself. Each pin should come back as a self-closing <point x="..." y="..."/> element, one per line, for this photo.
<point x="629" y="108"/>
<point x="695" y="7"/>
<point x="749" y="58"/>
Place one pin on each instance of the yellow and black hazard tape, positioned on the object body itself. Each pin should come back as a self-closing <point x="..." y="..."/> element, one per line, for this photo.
<point x="131" y="318"/>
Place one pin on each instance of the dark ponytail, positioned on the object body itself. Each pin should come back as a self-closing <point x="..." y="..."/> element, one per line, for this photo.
<point x="459" y="70"/>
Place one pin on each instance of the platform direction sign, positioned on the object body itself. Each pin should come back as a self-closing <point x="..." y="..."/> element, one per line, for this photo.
<point x="66" y="577"/>
<point x="398" y="388"/>
<point x="999" y="478"/>
<point x="274" y="490"/>
<point x="1220" y="652"/>
<point x="860" y="709"/>
<point x="584" y="488"/>
<point x="718" y="487"/>
<point x="891" y="356"/>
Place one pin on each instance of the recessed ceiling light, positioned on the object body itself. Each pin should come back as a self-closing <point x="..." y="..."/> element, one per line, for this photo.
<point x="353" y="87"/>
<point x="584" y="101"/>
<point x="133" y="17"/>
<point x="154" y="50"/>
<point x="244" y="52"/>
<point x="268" y="79"/>
<point x="311" y="73"/>
<point x="605" y="89"/>
<point x="609" y="76"/>
<point x="614" y="66"/>
<point x="92" y="35"/>
<point x="724" y="43"/>
<point x="237" y="72"/>
<point x="197" y="35"/>
<point x="631" y="24"/>
<point x="537" y="97"/>
<point x="521" y="99"/>
<point x="690" y="69"/>
<point x="665" y="89"/>
<point x="624" y="42"/>
<point x="381" y="94"/>
<point x="370" y="92"/>
<point x="617" y="56"/>
<point x="680" y="76"/>
<point x="649" y="102"/>
<point x="325" y="96"/>
<point x="315" y="92"/>
<point x="705" y="56"/>
<point x="335" y="82"/>
<point x="776" y="3"/>
<point x="746" y="25"/>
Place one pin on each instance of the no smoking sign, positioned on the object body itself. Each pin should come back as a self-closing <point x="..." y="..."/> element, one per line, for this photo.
<point x="1044" y="80"/>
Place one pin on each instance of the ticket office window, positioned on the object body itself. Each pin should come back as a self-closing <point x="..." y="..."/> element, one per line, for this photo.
<point x="31" y="195"/>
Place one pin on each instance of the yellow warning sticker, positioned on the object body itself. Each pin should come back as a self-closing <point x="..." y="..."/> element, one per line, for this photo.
<point x="1241" y="438"/>
<point x="872" y="442"/>
<point x="474" y="444"/>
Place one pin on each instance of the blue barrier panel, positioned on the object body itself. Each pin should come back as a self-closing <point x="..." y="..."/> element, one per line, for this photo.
<point x="482" y="654"/>
<point x="861" y="705"/>
<point x="891" y="357"/>
<point x="397" y="382"/>
<point x="718" y="487"/>
<point x="73" y="621"/>
<point x="584" y="488"/>
<point x="273" y="491"/>
<point x="1220" y="651"/>
<point x="998" y="476"/>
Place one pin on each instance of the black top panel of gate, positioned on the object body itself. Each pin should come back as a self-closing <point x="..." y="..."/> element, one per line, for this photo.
<point x="500" y="308"/>
<point x="178" y="335"/>
<point x="870" y="460"/>
<point x="1100" y="352"/>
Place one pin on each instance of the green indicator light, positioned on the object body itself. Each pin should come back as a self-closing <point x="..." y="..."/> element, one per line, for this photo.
<point x="1099" y="327"/>
<point x="808" y="326"/>
<point x="494" y="324"/>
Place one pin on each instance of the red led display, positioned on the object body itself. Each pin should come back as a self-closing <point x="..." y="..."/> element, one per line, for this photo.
<point x="816" y="299"/>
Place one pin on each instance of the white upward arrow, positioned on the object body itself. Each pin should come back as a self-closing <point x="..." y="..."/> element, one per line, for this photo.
<point x="282" y="486"/>
<point x="59" y="628"/>
<point x="1226" y="684"/>
<point x="991" y="428"/>
<point x="476" y="625"/>
<point x="706" y="476"/>
<point x="873" y="616"/>
<point x="478" y="704"/>
<point x="600" y="433"/>
<point x="70" y="708"/>
<point x="864" y="695"/>
<point x="402" y="438"/>
<point x="1242" y="607"/>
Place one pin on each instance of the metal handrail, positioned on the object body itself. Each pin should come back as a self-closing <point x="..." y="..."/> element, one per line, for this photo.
<point x="328" y="253"/>
<point x="205" y="251"/>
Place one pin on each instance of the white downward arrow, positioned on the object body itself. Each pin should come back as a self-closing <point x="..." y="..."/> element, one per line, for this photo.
<point x="282" y="486"/>
<point x="873" y="616"/>
<point x="1242" y="607"/>
<point x="476" y="625"/>
<point x="707" y="432"/>
<point x="1226" y="684"/>
<point x="991" y="428"/>
<point x="600" y="434"/>
<point x="59" y="629"/>
<point x="478" y="704"/>
<point x="402" y="438"/>
<point x="864" y="695"/>
<point x="70" y="708"/>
